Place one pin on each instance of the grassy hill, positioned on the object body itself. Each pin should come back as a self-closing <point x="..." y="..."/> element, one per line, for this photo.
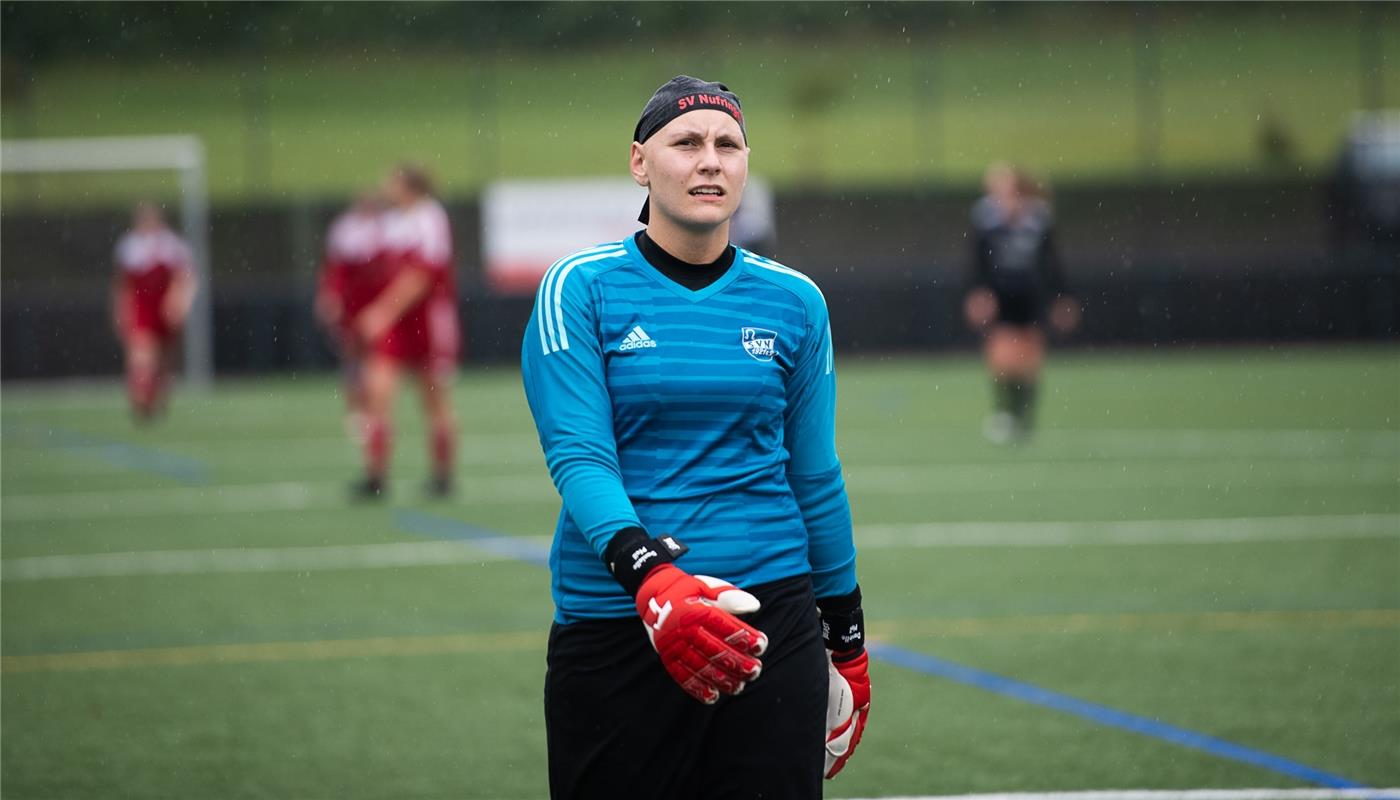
<point x="1069" y="100"/>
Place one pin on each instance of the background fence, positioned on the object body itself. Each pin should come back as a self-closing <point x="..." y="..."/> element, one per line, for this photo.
<point x="1198" y="262"/>
<point x="1189" y="148"/>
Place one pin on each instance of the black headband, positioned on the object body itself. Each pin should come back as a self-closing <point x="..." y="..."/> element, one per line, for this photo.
<point x="680" y="95"/>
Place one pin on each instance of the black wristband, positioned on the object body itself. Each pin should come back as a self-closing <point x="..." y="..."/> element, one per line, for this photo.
<point x="631" y="554"/>
<point x="843" y="625"/>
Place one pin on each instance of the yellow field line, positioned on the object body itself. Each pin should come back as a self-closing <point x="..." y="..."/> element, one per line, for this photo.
<point x="275" y="651"/>
<point x="1137" y="623"/>
<point x="266" y="652"/>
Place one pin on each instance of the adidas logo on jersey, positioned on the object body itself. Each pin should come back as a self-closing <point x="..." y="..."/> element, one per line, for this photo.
<point x="636" y="339"/>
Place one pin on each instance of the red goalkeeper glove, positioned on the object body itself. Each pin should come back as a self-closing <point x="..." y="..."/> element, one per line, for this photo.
<point x="848" y="670"/>
<point x="848" y="707"/>
<point x="690" y="619"/>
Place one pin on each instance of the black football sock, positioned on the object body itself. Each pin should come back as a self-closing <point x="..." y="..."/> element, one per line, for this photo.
<point x="1022" y="404"/>
<point x="1004" y="393"/>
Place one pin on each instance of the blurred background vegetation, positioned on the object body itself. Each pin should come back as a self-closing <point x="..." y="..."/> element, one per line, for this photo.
<point x="313" y="99"/>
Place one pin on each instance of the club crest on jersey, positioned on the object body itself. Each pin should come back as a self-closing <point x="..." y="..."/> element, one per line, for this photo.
<point x="758" y="342"/>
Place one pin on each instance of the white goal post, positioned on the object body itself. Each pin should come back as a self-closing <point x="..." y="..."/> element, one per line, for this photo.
<point x="183" y="154"/>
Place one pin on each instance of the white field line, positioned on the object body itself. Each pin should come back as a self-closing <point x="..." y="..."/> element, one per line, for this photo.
<point x="246" y="498"/>
<point x="1296" y="438"/>
<point x="261" y="559"/>
<point x="319" y="454"/>
<point x="1300" y="443"/>
<point x="951" y="476"/>
<point x="1128" y="532"/>
<point x="199" y="500"/>
<point x="916" y="480"/>
<point x="261" y="444"/>
<point x="327" y="453"/>
<point x="1178" y="794"/>
<point x="258" y="444"/>
<point x="872" y="537"/>
<point x="1178" y="442"/>
<point x="78" y="396"/>
<point x="1128" y="442"/>
<point x="1056" y="475"/>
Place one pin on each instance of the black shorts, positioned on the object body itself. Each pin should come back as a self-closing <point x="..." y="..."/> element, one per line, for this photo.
<point x="619" y="727"/>
<point x="1023" y="308"/>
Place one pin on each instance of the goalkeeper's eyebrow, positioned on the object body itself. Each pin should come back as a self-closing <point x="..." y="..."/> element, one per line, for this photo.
<point x="684" y="133"/>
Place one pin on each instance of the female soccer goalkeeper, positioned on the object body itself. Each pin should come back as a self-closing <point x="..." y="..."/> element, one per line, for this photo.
<point x="684" y="393"/>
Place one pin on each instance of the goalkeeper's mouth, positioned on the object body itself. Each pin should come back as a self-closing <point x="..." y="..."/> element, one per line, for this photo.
<point x="708" y="192"/>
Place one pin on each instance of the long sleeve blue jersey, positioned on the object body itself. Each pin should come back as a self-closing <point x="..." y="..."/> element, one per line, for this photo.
<point x="708" y="415"/>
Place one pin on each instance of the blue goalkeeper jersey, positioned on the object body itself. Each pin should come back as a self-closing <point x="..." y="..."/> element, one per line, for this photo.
<point x="707" y="415"/>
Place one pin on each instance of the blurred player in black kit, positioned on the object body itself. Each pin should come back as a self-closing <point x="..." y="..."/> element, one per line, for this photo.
<point x="1017" y="281"/>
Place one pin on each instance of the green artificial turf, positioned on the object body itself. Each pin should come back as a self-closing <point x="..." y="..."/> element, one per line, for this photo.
<point x="425" y="680"/>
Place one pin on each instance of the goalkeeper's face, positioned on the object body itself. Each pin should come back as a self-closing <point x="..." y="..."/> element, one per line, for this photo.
<point x="695" y="168"/>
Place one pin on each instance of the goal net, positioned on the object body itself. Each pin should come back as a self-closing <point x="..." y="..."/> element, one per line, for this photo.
<point x="181" y="155"/>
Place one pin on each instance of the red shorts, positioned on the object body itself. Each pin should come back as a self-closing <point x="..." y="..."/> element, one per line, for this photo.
<point x="427" y="338"/>
<point x="145" y="318"/>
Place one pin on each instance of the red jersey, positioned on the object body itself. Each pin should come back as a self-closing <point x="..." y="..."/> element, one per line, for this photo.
<point x="354" y="268"/>
<point x="147" y="263"/>
<point x="420" y="238"/>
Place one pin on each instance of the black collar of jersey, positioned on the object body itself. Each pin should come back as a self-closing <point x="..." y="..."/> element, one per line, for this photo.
<point x="692" y="276"/>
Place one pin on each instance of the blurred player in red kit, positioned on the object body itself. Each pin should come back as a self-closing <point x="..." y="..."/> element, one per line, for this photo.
<point x="353" y="273"/>
<point x="411" y="326"/>
<point x="152" y="291"/>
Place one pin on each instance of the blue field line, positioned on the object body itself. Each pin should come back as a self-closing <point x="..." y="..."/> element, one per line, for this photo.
<point x="501" y="544"/>
<point x="1104" y="715"/>
<point x="122" y="455"/>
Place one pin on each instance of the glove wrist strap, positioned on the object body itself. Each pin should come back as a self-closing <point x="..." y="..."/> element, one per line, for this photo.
<point x="843" y="625"/>
<point x="631" y="555"/>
